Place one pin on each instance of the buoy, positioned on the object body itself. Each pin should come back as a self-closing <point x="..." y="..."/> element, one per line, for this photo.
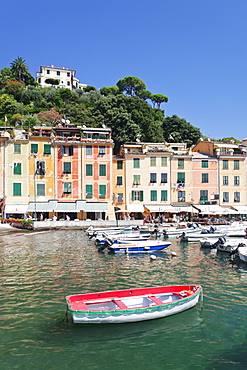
<point x="153" y="257"/>
<point x="173" y="254"/>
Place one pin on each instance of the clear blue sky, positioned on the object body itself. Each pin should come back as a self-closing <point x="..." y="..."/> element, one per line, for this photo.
<point x="193" y="51"/>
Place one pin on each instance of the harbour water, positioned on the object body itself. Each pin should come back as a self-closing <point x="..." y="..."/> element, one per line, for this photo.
<point x="39" y="269"/>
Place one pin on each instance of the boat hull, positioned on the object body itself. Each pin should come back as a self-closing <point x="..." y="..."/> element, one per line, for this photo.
<point x="242" y="252"/>
<point x="135" y="248"/>
<point x="171" y="305"/>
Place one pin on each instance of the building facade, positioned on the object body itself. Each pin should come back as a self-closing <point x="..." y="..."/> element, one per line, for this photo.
<point x="64" y="76"/>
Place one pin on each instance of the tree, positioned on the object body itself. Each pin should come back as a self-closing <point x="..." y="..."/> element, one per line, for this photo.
<point x="89" y="88"/>
<point x="51" y="116"/>
<point x="111" y="90"/>
<point x="52" y="81"/>
<point x="8" y="105"/>
<point x="131" y="85"/>
<point x="144" y="94"/>
<point x="14" y="88"/>
<point x="5" y="76"/>
<point x="179" y="130"/>
<point x="158" y="99"/>
<point x="19" y="68"/>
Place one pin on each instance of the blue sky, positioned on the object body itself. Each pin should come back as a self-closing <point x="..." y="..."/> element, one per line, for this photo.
<point x="193" y="51"/>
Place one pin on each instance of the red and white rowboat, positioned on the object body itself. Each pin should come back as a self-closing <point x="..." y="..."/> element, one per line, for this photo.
<point x="132" y="305"/>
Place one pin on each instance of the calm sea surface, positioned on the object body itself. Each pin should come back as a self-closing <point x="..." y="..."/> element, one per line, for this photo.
<point x="38" y="270"/>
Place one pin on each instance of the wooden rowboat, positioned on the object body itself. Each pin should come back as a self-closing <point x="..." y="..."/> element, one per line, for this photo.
<point x="132" y="305"/>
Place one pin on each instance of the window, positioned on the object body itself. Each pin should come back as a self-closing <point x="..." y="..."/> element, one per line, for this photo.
<point x="48" y="71"/>
<point x="40" y="168"/>
<point x="17" y="148"/>
<point x="68" y="83"/>
<point x="47" y="149"/>
<point x="102" y="170"/>
<point x="89" y="170"/>
<point x="119" y="165"/>
<point x="163" y="179"/>
<point x="102" y="150"/>
<point x="181" y="196"/>
<point x="164" y="161"/>
<point x="225" y="180"/>
<point x="102" y="191"/>
<point x="153" y="195"/>
<point x="41" y="189"/>
<point x="17" y="168"/>
<point x="119" y="180"/>
<point x="136" y="162"/>
<point x="204" y="177"/>
<point x="136" y="179"/>
<point x="204" y="195"/>
<point x="16" y="188"/>
<point x="58" y="73"/>
<point x="180" y="163"/>
<point x="237" y="197"/>
<point x="152" y="161"/>
<point x="120" y="197"/>
<point x="67" y="150"/>
<point x="34" y="148"/>
<point x="181" y="177"/>
<point x="89" y="191"/>
<point x="205" y="164"/>
<point x="67" y="187"/>
<point x="89" y="150"/>
<point x="236" y="180"/>
<point x="153" y="178"/>
<point x="236" y="164"/>
<point x="163" y="195"/>
<point x="225" y="164"/>
<point x="225" y="197"/>
<point x="137" y="195"/>
<point x="67" y="167"/>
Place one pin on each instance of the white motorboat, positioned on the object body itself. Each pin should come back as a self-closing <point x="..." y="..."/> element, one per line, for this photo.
<point x="242" y="253"/>
<point x="221" y="244"/>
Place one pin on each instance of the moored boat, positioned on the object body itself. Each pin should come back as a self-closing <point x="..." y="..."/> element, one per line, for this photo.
<point x="132" y="305"/>
<point x="136" y="246"/>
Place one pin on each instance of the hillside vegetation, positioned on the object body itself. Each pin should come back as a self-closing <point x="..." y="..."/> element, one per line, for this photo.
<point x="129" y="109"/>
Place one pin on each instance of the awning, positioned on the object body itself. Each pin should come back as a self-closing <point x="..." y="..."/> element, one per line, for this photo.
<point x="241" y="210"/>
<point x="41" y="207"/>
<point x="66" y="207"/>
<point x="96" y="207"/>
<point x="16" y="208"/>
<point x="210" y="209"/>
<point x="162" y="208"/>
<point x="188" y="209"/>
<point x="122" y="211"/>
<point x="135" y="208"/>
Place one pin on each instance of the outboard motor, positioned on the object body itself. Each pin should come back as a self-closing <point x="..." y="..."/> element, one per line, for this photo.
<point x="94" y="234"/>
<point x="220" y="241"/>
<point x="107" y="245"/>
<point x="212" y="230"/>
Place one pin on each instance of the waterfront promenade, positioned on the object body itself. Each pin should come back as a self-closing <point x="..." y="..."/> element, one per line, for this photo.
<point x="83" y="224"/>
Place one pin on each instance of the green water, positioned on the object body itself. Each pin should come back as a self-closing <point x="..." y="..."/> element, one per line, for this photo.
<point x="38" y="270"/>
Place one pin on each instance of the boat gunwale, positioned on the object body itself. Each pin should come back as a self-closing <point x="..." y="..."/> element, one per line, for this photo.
<point x="139" y="309"/>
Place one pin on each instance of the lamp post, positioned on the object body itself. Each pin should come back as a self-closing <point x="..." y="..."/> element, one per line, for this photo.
<point x="35" y="205"/>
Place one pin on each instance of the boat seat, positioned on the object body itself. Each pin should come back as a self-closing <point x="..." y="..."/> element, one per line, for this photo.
<point x="120" y="304"/>
<point x="79" y="306"/>
<point x="155" y="300"/>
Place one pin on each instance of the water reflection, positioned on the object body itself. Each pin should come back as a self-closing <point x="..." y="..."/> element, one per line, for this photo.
<point x="38" y="270"/>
